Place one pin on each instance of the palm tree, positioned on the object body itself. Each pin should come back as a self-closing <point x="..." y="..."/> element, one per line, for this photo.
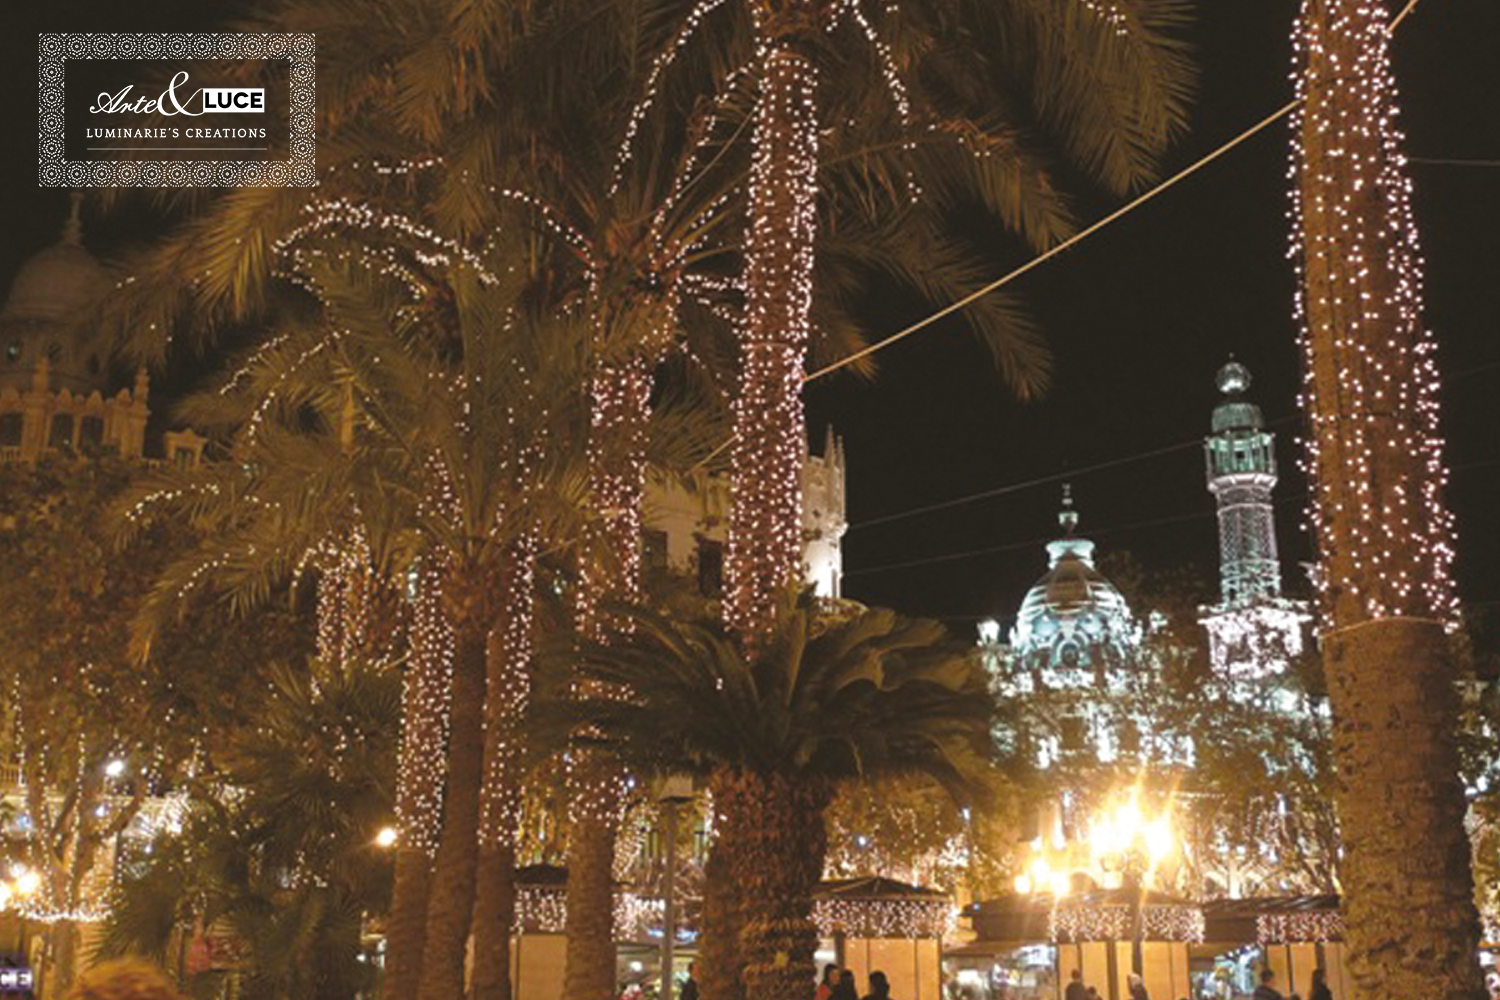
<point x="827" y="698"/>
<point x="1106" y="79"/>
<point x="287" y="859"/>
<point x="465" y="400"/>
<point x="1382" y="526"/>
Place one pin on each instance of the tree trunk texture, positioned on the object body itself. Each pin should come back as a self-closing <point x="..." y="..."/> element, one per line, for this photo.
<point x="1411" y="923"/>
<point x="594" y="803"/>
<point x="620" y="408"/>
<point x="494" y="916"/>
<point x="770" y="444"/>
<point x="507" y="693"/>
<point x="451" y="899"/>
<point x="777" y="867"/>
<point x="721" y="959"/>
<point x="419" y="788"/>
<point x="1382" y="527"/>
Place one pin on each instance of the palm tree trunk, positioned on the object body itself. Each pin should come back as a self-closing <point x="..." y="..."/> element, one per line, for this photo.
<point x="508" y="689"/>
<point x="1383" y="529"/>
<point x="419" y="787"/>
<point x="765" y="518"/>
<point x="451" y="900"/>
<point x="594" y="805"/>
<point x="620" y="408"/>
<point x="777" y="867"/>
<point x="720" y="958"/>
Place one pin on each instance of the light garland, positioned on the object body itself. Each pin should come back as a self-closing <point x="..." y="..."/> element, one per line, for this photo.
<point x="540" y="911"/>
<point x="664" y="59"/>
<point x="898" y="919"/>
<point x="1292" y="928"/>
<point x="1074" y="921"/>
<point x="1375" y="453"/>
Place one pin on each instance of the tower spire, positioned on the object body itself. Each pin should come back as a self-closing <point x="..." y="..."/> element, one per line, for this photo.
<point x="1067" y="517"/>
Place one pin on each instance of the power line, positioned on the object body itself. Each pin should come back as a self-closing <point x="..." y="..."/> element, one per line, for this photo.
<point x="1066" y="244"/>
<point x="1070" y="474"/>
<point x="1071" y="241"/>
<point x="1099" y="533"/>
<point x="1079" y="237"/>
<point x="1026" y="484"/>
<point x="985" y="494"/>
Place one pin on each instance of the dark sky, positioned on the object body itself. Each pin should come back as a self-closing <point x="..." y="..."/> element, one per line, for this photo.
<point x="1140" y="317"/>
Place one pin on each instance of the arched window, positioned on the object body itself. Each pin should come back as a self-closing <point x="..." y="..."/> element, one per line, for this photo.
<point x="61" y="435"/>
<point x="91" y="433"/>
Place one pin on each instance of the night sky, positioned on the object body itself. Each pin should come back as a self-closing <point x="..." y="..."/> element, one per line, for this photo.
<point x="1139" y="317"/>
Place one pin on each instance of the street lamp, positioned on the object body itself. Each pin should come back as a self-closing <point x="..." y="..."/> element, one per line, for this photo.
<point x="1130" y="845"/>
<point x="23" y="882"/>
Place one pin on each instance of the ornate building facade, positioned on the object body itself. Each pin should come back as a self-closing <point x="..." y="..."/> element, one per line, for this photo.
<point x="55" y="393"/>
<point x="1088" y="675"/>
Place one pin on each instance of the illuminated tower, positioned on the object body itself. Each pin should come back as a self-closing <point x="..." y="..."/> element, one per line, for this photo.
<point x="1254" y="632"/>
<point x="1241" y="474"/>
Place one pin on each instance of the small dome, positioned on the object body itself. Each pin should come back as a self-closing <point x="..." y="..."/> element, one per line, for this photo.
<point x="1073" y="617"/>
<point x="40" y="319"/>
<point x="1235" y="413"/>
<point x="1233" y="378"/>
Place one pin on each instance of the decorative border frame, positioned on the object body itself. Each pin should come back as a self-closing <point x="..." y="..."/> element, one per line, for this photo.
<point x="55" y="170"/>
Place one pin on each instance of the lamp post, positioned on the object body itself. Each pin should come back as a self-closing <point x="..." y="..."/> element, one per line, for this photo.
<point x="1131" y="845"/>
<point x="673" y="793"/>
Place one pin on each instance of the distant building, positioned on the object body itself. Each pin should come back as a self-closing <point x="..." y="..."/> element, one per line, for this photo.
<point x="1254" y="632"/>
<point x="1085" y="672"/>
<point x="54" y="374"/>
<point x="686" y="527"/>
<point x="1071" y="656"/>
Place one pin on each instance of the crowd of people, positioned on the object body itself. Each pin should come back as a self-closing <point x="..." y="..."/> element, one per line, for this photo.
<point x="1265" y="991"/>
<point x="838" y="984"/>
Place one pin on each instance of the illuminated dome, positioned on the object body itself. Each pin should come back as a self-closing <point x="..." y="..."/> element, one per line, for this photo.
<point x="1074" y="618"/>
<point x="40" y="318"/>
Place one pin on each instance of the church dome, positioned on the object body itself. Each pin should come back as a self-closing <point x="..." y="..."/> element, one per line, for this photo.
<point x="1073" y="618"/>
<point x="40" y="319"/>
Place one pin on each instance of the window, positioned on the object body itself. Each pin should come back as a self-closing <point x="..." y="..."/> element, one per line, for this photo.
<point x="62" y="431"/>
<point x="184" y="458"/>
<point x="91" y="433"/>
<point x="653" y="550"/>
<point x="10" y="430"/>
<point x="710" y="568"/>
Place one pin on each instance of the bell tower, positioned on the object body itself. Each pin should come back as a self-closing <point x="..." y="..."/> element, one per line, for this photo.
<point x="1254" y="632"/>
<point x="1241" y="474"/>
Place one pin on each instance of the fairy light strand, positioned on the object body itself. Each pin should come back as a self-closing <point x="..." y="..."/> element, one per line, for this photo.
<point x="765" y="538"/>
<point x="1375" y="451"/>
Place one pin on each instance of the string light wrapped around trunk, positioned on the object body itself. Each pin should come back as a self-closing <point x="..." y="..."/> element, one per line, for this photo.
<point x="427" y="685"/>
<point x="1375" y="452"/>
<point x="770" y="445"/>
